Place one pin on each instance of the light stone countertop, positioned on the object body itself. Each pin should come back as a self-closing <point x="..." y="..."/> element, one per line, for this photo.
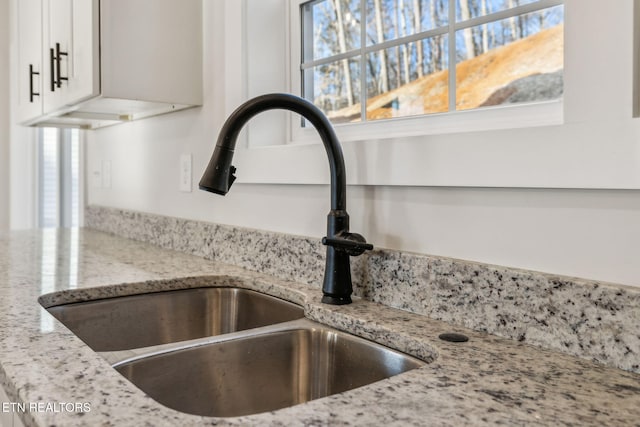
<point x="486" y="381"/>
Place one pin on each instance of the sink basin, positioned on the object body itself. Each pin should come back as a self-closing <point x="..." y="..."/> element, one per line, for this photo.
<point x="128" y="322"/>
<point x="226" y="351"/>
<point x="264" y="372"/>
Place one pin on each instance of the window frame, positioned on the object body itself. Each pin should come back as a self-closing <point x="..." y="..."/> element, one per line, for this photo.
<point x="590" y="144"/>
<point x="543" y="113"/>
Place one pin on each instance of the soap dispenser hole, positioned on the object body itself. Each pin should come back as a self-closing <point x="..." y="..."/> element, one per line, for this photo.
<point x="453" y="337"/>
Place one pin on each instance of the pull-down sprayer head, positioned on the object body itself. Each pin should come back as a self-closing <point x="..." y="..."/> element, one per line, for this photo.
<point x="219" y="175"/>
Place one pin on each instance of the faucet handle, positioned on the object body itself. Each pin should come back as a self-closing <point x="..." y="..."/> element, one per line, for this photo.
<point x="353" y="244"/>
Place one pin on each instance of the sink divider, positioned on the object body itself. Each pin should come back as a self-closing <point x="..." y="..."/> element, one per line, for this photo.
<point x="120" y="357"/>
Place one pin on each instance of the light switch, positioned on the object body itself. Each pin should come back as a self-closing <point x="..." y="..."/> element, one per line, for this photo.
<point x="185" y="173"/>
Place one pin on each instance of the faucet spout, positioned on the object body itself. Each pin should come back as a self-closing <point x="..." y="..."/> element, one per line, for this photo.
<point x="341" y="244"/>
<point x="219" y="176"/>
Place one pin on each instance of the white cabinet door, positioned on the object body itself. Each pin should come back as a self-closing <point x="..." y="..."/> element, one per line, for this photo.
<point x="84" y="80"/>
<point x="71" y="51"/>
<point x="56" y="47"/>
<point x="30" y="68"/>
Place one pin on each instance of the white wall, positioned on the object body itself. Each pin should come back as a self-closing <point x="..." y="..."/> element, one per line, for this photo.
<point x="593" y="234"/>
<point x="4" y="114"/>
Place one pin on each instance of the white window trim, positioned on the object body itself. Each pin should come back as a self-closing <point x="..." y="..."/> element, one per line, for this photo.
<point x="592" y="145"/>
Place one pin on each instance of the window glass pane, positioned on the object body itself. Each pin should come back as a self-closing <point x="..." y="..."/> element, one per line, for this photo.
<point x="59" y="178"/>
<point x="49" y="178"/>
<point x="407" y="80"/>
<point x="335" y="89"/>
<point x="467" y="9"/>
<point x="75" y="178"/>
<point x="393" y="19"/>
<point x="330" y="27"/>
<point x="519" y="59"/>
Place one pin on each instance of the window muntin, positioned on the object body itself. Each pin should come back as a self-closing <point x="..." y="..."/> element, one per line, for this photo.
<point x="486" y="7"/>
<point x="390" y="20"/>
<point x="404" y="64"/>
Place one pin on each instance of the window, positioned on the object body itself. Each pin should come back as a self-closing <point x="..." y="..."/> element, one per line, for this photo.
<point x="365" y="60"/>
<point x="59" y="178"/>
<point x="588" y="138"/>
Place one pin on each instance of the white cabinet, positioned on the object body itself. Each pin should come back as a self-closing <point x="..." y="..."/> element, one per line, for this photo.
<point x="58" y="56"/>
<point x="92" y="63"/>
<point x="30" y="72"/>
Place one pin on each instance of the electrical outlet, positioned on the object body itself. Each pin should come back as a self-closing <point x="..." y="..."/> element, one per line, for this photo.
<point x="185" y="173"/>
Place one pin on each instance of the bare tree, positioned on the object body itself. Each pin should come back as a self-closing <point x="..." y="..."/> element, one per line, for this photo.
<point x="417" y="23"/>
<point x="467" y="34"/>
<point x="436" y="52"/>
<point x="404" y="48"/>
<point x="485" y="31"/>
<point x="541" y="20"/>
<point x="513" y="21"/>
<point x="384" y="75"/>
<point x="342" y="44"/>
<point x="396" y="25"/>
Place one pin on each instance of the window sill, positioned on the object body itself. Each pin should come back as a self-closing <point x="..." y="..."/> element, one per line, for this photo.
<point x="492" y="118"/>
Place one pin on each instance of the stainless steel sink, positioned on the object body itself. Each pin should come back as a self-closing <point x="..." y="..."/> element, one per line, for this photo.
<point x="252" y="372"/>
<point x="128" y="322"/>
<point x="226" y="351"/>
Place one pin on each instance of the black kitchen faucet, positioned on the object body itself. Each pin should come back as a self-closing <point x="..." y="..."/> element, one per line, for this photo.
<point x="341" y="244"/>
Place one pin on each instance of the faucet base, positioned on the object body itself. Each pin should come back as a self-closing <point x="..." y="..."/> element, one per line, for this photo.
<point x="328" y="299"/>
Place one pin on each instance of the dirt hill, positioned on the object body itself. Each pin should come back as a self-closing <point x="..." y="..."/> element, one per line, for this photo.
<point x="487" y="79"/>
